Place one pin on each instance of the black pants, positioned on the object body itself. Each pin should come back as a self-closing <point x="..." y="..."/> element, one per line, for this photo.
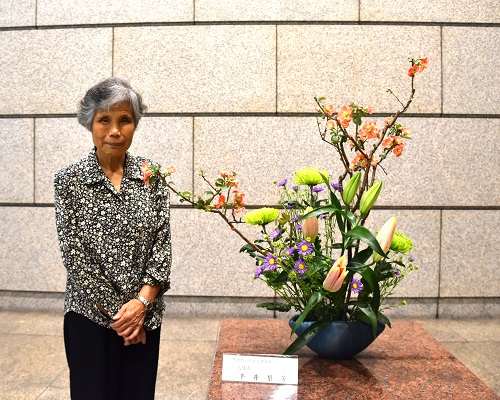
<point x="102" y="368"/>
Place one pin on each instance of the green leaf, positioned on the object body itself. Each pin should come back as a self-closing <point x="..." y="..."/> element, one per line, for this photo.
<point x="370" y="277"/>
<point x="352" y="218"/>
<point x="367" y="311"/>
<point x="335" y="203"/>
<point x="247" y="249"/>
<point x="306" y="336"/>
<point x="313" y="300"/>
<point x="361" y="233"/>
<point x="281" y="307"/>
<point x="278" y="281"/>
<point x="382" y="318"/>
<point x="357" y="120"/>
<point x="363" y="256"/>
<point x="320" y="211"/>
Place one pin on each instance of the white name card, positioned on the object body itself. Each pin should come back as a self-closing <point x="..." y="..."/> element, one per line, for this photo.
<point x="261" y="368"/>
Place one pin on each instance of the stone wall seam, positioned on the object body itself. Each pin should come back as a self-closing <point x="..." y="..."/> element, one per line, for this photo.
<point x="257" y="23"/>
<point x="34" y="160"/>
<point x="230" y="114"/>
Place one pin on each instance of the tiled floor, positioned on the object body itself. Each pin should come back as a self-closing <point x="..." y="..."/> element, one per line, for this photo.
<point x="33" y="364"/>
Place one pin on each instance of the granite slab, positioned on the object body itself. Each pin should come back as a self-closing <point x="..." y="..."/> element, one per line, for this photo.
<point x="404" y="362"/>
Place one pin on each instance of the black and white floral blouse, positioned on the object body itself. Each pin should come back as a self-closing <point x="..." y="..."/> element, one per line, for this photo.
<point x="112" y="243"/>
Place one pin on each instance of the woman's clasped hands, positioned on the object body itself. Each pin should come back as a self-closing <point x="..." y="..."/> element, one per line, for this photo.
<point x="129" y="322"/>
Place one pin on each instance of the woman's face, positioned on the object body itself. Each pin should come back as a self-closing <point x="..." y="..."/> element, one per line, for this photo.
<point x="113" y="130"/>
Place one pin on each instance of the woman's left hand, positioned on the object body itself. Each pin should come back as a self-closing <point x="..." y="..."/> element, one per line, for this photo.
<point x="128" y="322"/>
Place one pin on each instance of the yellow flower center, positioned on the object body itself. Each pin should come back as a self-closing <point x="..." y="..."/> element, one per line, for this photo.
<point x="354" y="285"/>
<point x="304" y="247"/>
<point x="271" y="261"/>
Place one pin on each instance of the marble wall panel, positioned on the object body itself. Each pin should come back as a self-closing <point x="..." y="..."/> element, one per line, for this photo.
<point x="422" y="227"/>
<point x="416" y="307"/>
<point x="208" y="68"/>
<point x="430" y="11"/>
<point x="48" y="71"/>
<point x="169" y="142"/>
<point x="276" y="10"/>
<point x="16" y="160"/>
<point x="470" y="84"/>
<point x="29" y="253"/>
<point x="467" y="308"/>
<point x="17" y="12"/>
<point x="350" y="63"/>
<point x="67" y="12"/>
<point x="430" y="172"/>
<point x="62" y="141"/>
<point x="59" y="142"/>
<point x="216" y="307"/>
<point x="443" y="165"/>
<point x="206" y="258"/>
<point x="21" y="300"/>
<point x="470" y="253"/>
<point x="277" y="148"/>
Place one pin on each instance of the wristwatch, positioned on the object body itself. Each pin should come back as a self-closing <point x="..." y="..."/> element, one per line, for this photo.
<point x="146" y="303"/>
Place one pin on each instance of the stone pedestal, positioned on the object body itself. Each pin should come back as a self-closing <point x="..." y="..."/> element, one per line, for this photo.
<point x="404" y="362"/>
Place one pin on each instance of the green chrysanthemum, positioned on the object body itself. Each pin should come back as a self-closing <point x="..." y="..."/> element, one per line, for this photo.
<point x="310" y="176"/>
<point x="401" y="243"/>
<point x="261" y="216"/>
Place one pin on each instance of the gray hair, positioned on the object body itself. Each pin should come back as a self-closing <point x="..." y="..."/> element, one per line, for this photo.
<point x="105" y="95"/>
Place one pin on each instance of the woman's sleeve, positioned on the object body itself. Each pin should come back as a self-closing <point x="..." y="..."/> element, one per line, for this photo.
<point x="84" y="275"/>
<point x="157" y="270"/>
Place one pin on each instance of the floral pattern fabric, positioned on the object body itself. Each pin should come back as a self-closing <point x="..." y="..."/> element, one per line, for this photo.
<point x="112" y="243"/>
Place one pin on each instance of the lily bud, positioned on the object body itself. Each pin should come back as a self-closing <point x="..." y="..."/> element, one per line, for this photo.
<point x="310" y="227"/>
<point x="351" y="188"/>
<point x="384" y="237"/>
<point x="336" y="275"/>
<point x="369" y="198"/>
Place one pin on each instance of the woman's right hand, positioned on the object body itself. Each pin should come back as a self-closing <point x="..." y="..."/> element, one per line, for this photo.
<point x="128" y="322"/>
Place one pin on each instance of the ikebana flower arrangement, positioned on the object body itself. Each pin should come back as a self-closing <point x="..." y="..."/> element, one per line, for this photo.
<point x="314" y="250"/>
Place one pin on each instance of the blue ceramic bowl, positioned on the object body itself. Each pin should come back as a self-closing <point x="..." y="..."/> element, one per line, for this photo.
<point x="341" y="340"/>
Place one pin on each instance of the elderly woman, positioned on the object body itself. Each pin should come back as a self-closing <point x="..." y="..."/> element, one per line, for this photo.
<point x="114" y="235"/>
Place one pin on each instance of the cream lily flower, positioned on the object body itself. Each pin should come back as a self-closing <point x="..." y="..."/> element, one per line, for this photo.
<point x="336" y="275"/>
<point x="384" y="237"/>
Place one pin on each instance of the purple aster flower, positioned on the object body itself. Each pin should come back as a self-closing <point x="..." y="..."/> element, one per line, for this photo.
<point x="298" y="227"/>
<point x="283" y="182"/>
<point x="335" y="186"/>
<point x="304" y="248"/>
<point x="274" y="234"/>
<point x="300" y="266"/>
<point x="289" y="206"/>
<point x="317" y="189"/>
<point x="288" y="251"/>
<point x="296" y="187"/>
<point x="258" y="271"/>
<point x="325" y="216"/>
<point x="295" y="219"/>
<point x="356" y="286"/>
<point x="396" y="271"/>
<point x="270" y="262"/>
